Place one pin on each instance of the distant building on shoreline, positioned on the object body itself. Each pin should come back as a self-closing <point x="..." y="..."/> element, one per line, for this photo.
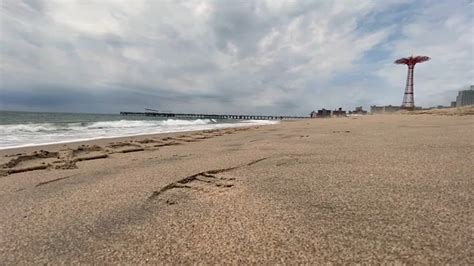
<point x="465" y="97"/>
<point x="358" y="111"/>
<point x="324" y="113"/>
<point x="321" y="113"/>
<point x="374" y="109"/>
<point x="339" y="112"/>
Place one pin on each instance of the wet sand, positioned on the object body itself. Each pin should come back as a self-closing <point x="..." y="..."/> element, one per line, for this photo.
<point x="373" y="189"/>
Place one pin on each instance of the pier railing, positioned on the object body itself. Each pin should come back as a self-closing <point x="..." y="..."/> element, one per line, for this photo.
<point x="214" y="116"/>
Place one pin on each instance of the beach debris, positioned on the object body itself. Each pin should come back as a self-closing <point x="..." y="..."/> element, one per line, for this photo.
<point x="132" y="150"/>
<point x="92" y="157"/>
<point x="54" y="180"/>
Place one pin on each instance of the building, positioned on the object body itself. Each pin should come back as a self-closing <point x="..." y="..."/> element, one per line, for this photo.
<point x="453" y="104"/>
<point x="465" y="97"/>
<point x="374" y="109"/>
<point x="324" y="113"/>
<point x="320" y="114"/>
<point x="358" y="111"/>
<point x="339" y="112"/>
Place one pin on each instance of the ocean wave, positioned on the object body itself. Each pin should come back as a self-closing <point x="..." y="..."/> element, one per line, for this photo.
<point x="53" y="127"/>
<point x="146" y="123"/>
<point x="122" y="124"/>
<point x="260" y="122"/>
<point x="20" y="135"/>
<point x="44" y="127"/>
<point x="172" y="122"/>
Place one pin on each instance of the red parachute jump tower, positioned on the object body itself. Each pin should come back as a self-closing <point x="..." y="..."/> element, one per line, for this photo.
<point x="409" y="99"/>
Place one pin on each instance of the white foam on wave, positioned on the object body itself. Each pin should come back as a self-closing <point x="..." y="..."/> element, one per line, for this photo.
<point x="146" y="123"/>
<point x="261" y="122"/>
<point x="172" y="122"/>
<point x="121" y="124"/>
<point x="23" y="135"/>
<point x="12" y="129"/>
<point x="45" y="127"/>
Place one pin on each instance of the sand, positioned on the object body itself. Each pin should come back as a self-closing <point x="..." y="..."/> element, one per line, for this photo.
<point x="371" y="189"/>
<point x="456" y="111"/>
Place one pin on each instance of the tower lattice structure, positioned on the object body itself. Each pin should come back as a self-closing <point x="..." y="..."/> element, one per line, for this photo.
<point x="409" y="97"/>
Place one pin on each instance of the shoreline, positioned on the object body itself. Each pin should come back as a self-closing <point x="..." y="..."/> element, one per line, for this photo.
<point x="42" y="155"/>
<point x="217" y="126"/>
<point x="99" y="141"/>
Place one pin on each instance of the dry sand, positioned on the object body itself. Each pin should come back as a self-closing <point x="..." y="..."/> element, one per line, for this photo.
<point x="457" y="111"/>
<point x="371" y="189"/>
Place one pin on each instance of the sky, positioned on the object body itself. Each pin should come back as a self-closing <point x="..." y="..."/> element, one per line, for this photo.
<point x="255" y="57"/>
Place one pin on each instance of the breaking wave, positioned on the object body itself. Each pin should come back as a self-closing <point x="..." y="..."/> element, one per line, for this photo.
<point x="31" y="134"/>
<point x="121" y="124"/>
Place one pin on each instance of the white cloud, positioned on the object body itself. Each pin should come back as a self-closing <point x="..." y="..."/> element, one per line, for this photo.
<point x="443" y="31"/>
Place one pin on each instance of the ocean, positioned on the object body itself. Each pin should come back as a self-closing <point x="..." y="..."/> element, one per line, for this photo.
<point x="23" y="129"/>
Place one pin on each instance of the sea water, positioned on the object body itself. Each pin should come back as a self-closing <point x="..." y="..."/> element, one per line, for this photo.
<point x="22" y="129"/>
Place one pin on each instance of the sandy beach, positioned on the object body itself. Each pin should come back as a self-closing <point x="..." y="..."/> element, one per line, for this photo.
<point x="368" y="189"/>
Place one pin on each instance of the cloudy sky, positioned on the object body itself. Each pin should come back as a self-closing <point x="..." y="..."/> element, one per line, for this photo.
<point x="241" y="56"/>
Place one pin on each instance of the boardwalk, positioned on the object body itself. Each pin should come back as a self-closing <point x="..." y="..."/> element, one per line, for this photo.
<point x="214" y="116"/>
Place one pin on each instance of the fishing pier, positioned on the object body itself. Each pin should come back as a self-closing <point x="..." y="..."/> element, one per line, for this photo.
<point x="213" y="116"/>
